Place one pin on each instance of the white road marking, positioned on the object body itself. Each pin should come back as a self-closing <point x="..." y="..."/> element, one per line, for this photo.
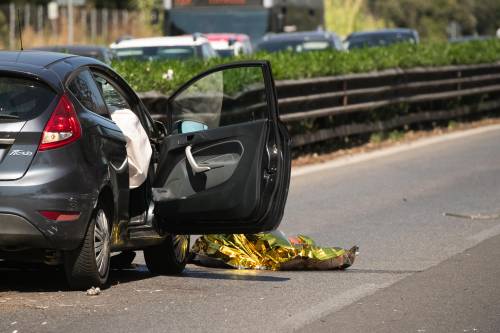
<point x="485" y="234"/>
<point x="348" y="297"/>
<point x="363" y="157"/>
<point x="320" y="310"/>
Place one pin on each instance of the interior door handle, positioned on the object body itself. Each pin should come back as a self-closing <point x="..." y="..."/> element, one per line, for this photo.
<point x="192" y="162"/>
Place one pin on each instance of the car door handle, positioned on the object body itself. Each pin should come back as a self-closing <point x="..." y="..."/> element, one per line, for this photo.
<point x="192" y="162"/>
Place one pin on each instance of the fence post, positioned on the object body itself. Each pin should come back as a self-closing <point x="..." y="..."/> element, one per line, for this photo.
<point x="83" y="22"/>
<point x="114" y="22"/>
<point x="344" y="98"/>
<point x="27" y="15"/>
<point x="93" y="24"/>
<point x="104" y="28"/>
<point x="71" y="22"/>
<point x="124" y="22"/>
<point x="12" y="26"/>
<point x="39" y="18"/>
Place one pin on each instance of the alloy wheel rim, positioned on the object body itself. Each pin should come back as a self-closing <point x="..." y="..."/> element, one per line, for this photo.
<point x="101" y="242"/>
<point x="181" y="244"/>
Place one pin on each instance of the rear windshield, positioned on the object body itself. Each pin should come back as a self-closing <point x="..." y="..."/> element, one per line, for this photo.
<point x="380" y="39"/>
<point x="156" y="53"/>
<point x="294" y="45"/>
<point x="23" y="99"/>
<point x="225" y="53"/>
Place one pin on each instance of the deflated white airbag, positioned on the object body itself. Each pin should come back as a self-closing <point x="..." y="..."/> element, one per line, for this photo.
<point x="139" y="150"/>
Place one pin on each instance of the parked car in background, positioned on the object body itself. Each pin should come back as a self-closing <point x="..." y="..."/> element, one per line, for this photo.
<point x="98" y="52"/>
<point x="382" y="37"/>
<point x="70" y="192"/>
<point x="300" y="42"/>
<point x="164" y="48"/>
<point x="230" y="45"/>
<point x="463" y="39"/>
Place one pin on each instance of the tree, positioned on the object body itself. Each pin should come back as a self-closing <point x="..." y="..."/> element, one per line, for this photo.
<point x="488" y="14"/>
<point x="346" y="16"/>
<point x="430" y="18"/>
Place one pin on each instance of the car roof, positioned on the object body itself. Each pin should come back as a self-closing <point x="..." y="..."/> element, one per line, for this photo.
<point x="186" y="40"/>
<point x="52" y="67"/>
<point x="301" y="35"/>
<point x="32" y="58"/>
<point x="71" y="47"/>
<point x="382" y="31"/>
<point x="221" y="37"/>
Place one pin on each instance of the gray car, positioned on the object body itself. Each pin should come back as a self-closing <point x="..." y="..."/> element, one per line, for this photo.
<point x="220" y="164"/>
<point x="302" y="41"/>
<point x="381" y="38"/>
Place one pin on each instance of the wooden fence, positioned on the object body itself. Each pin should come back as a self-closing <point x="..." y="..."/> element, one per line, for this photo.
<point x="87" y="25"/>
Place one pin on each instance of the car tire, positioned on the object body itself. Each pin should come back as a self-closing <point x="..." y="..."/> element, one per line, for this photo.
<point x="88" y="266"/>
<point x="170" y="257"/>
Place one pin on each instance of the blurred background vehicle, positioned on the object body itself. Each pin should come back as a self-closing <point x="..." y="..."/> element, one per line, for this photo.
<point x="230" y="45"/>
<point x="381" y="37"/>
<point x="164" y="48"/>
<point x="300" y="42"/>
<point x="464" y="39"/>
<point x="98" y="52"/>
<point x="96" y="22"/>
<point x="252" y="17"/>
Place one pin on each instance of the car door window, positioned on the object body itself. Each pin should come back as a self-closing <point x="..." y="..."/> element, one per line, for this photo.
<point x="223" y="98"/>
<point x="230" y="174"/>
<point x="86" y="92"/>
<point x="112" y="97"/>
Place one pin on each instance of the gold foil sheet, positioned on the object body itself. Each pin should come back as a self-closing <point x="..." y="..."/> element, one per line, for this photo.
<point x="269" y="251"/>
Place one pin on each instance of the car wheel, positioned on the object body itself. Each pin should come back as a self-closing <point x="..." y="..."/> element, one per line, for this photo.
<point x="88" y="265"/>
<point x="170" y="257"/>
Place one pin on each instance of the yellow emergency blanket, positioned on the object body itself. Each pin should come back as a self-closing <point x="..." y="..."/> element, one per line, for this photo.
<point x="269" y="251"/>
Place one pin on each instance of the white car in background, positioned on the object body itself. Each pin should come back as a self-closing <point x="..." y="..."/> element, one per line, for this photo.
<point x="164" y="48"/>
<point x="230" y="45"/>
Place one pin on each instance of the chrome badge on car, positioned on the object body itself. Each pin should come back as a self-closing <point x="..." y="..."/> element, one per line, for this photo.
<point x="19" y="152"/>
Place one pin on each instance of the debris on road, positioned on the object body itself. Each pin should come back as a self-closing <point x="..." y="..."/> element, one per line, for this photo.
<point x="269" y="251"/>
<point x="474" y="216"/>
<point x="94" y="291"/>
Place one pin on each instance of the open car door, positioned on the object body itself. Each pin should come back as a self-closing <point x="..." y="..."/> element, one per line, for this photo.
<point x="225" y="165"/>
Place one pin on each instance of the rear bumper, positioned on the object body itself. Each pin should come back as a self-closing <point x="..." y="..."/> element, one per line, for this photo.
<point x="66" y="186"/>
<point x="17" y="233"/>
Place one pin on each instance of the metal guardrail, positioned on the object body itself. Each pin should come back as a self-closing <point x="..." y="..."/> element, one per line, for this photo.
<point x="360" y="95"/>
<point x="330" y="97"/>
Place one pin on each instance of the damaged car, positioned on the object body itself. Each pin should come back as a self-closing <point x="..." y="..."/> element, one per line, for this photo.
<point x="86" y="172"/>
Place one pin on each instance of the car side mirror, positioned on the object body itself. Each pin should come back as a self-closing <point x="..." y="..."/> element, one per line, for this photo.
<point x="189" y="126"/>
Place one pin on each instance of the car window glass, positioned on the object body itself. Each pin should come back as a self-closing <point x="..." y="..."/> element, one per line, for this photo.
<point x="222" y="98"/>
<point x="85" y="90"/>
<point x="314" y="46"/>
<point x="23" y="98"/>
<point x="113" y="99"/>
<point x="156" y="53"/>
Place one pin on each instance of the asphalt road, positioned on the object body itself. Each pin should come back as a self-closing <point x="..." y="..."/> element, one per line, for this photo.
<point x="418" y="270"/>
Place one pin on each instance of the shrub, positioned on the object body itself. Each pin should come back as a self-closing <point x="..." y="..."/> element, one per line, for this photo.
<point x="147" y="76"/>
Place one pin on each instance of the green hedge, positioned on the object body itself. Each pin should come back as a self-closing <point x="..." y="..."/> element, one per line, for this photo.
<point x="147" y="76"/>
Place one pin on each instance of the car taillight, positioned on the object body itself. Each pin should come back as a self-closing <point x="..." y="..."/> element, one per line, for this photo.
<point x="60" y="216"/>
<point x="62" y="128"/>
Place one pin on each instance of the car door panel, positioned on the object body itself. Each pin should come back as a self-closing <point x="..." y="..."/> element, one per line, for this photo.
<point x="246" y="186"/>
<point x="214" y="193"/>
<point x="222" y="158"/>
